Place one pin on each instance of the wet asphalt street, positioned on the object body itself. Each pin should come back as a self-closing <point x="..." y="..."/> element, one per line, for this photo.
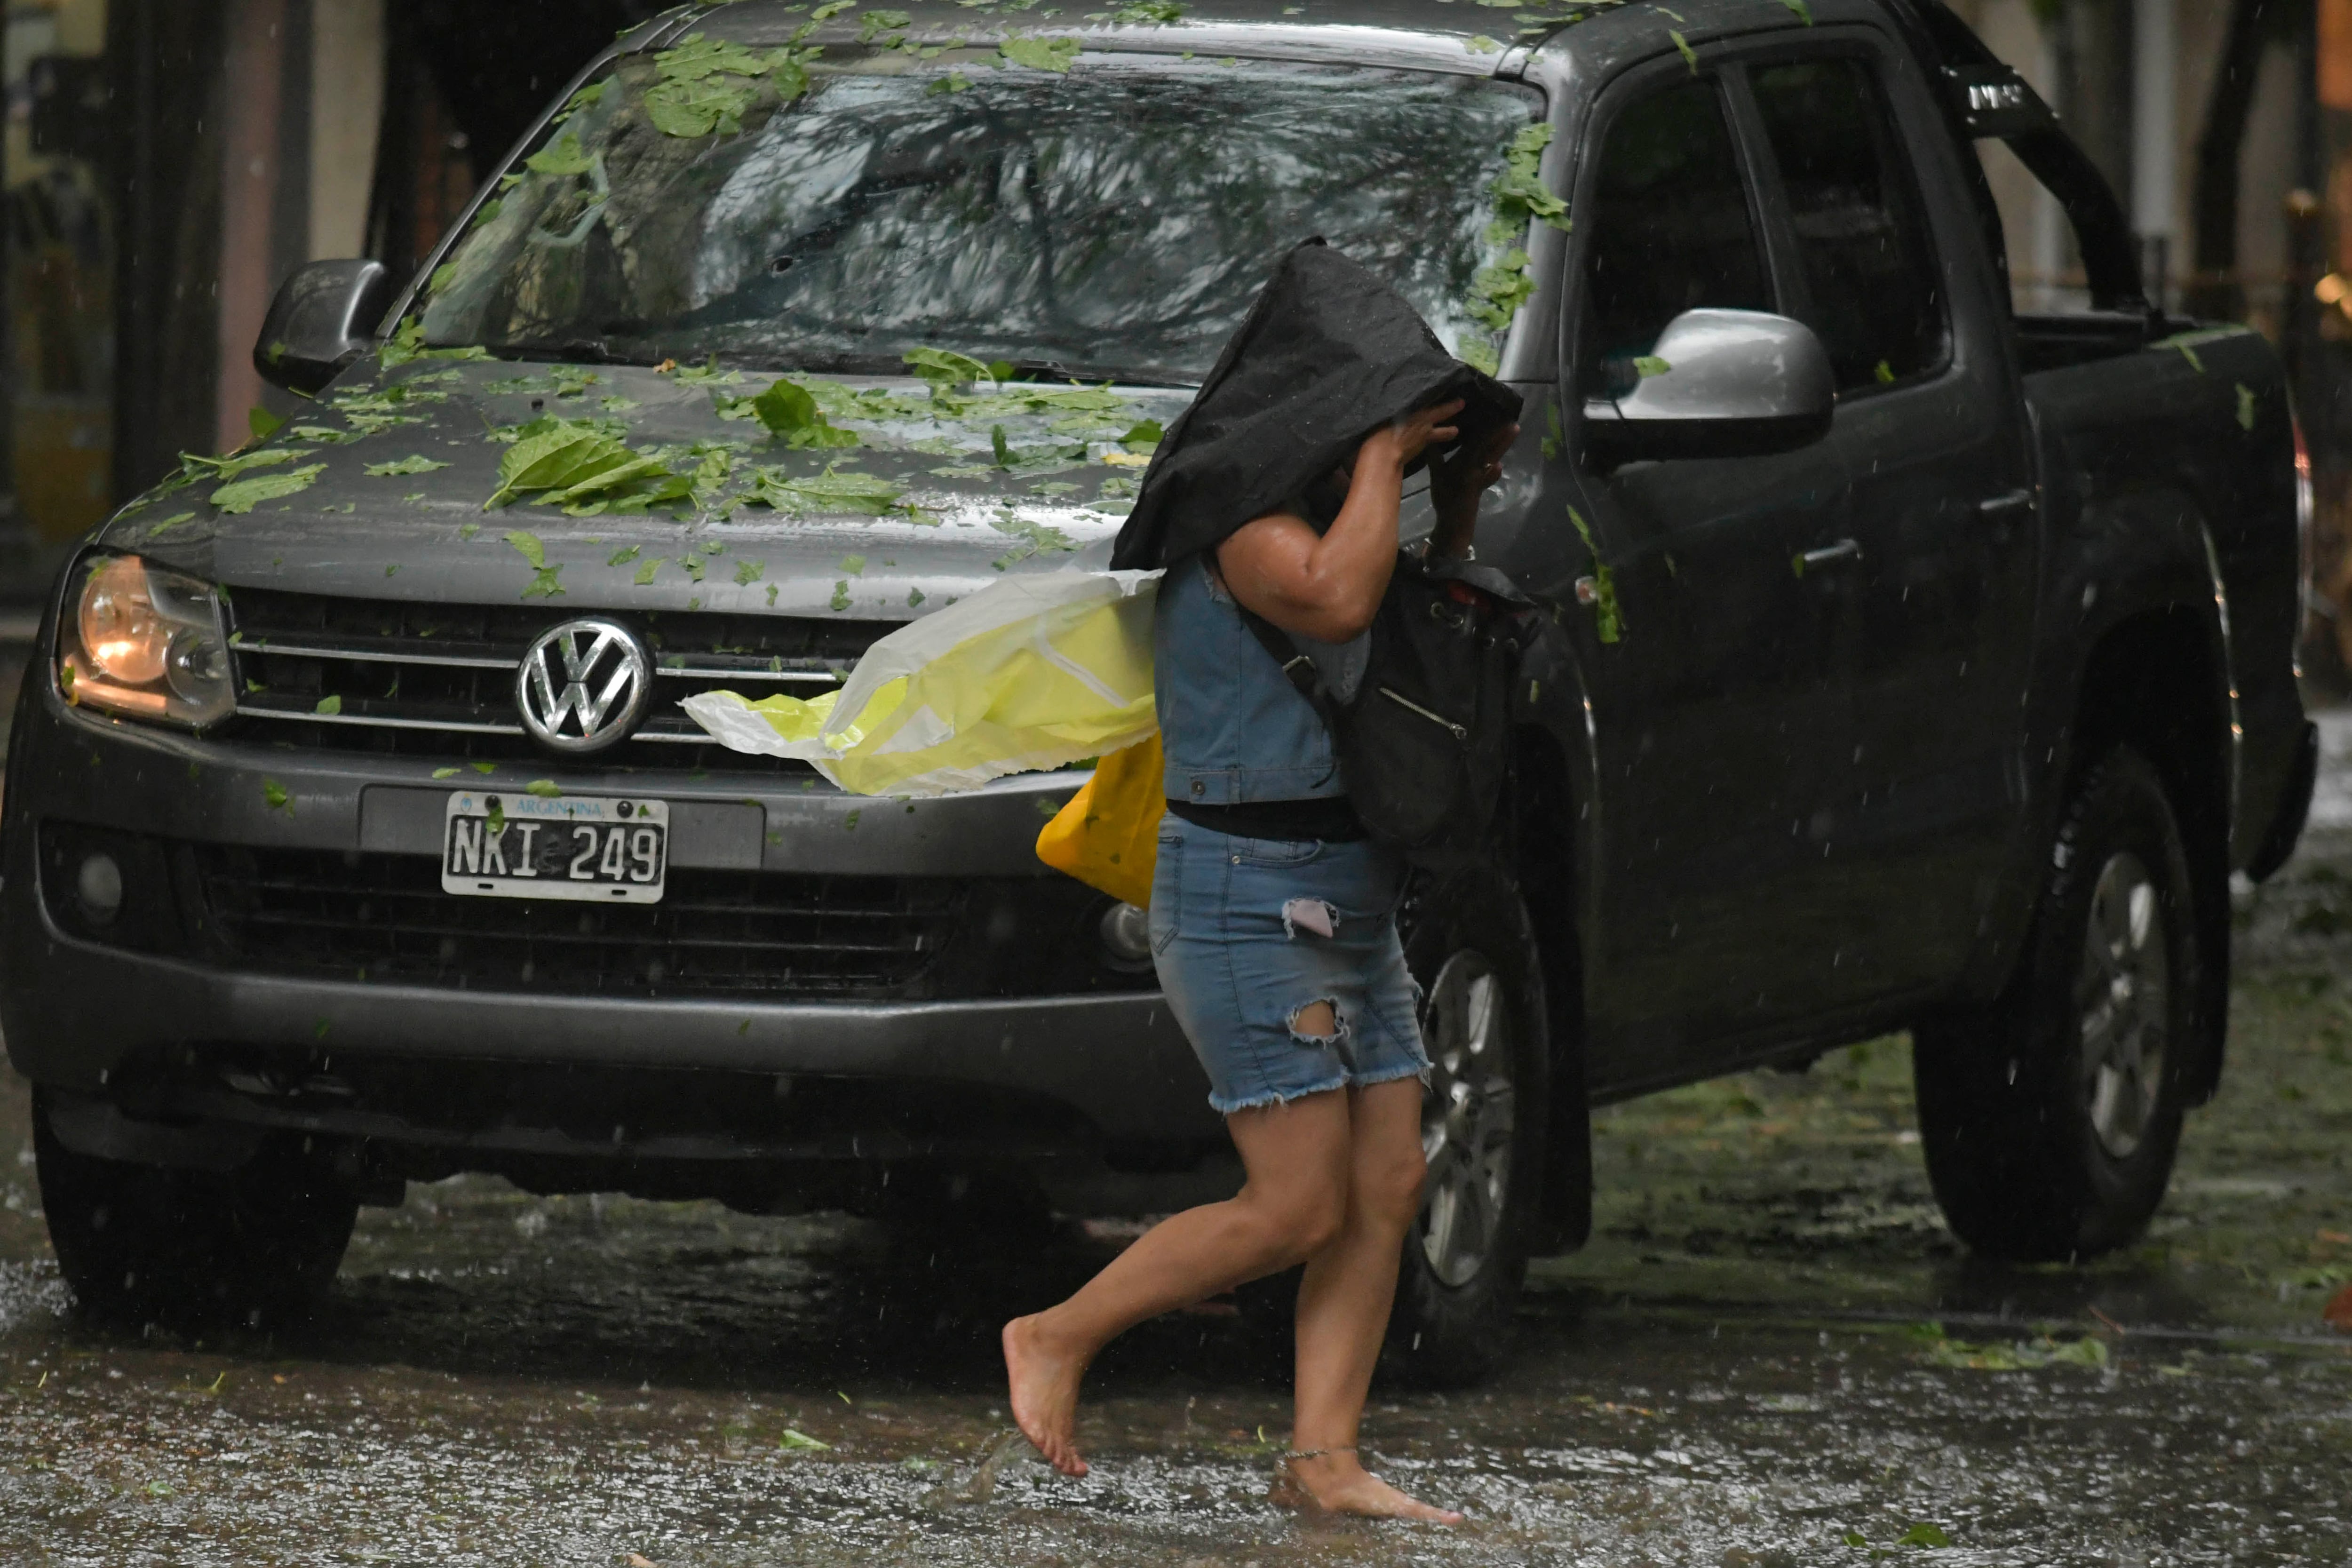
<point x="1773" y="1354"/>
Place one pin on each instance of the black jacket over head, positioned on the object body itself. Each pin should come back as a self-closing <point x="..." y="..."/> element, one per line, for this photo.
<point x="1327" y="354"/>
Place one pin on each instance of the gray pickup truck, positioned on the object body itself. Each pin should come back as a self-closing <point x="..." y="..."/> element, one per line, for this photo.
<point x="1911" y="662"/>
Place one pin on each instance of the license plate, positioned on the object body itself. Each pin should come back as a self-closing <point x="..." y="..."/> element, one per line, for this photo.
<point x="594" y="848"/>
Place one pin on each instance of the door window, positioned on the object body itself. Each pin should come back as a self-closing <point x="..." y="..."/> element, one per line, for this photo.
<point x="1671" y="229"/>
<point x="1876" y="299"/>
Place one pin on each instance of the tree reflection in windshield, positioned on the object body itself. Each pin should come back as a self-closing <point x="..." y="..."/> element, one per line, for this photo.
<point x="1118" y="219"/>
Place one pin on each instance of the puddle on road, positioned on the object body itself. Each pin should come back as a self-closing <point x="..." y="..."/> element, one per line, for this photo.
<point x="1732" y="1375"/>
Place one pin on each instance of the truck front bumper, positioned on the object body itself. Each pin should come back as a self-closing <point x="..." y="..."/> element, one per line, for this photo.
<point x="81" y="1008"/>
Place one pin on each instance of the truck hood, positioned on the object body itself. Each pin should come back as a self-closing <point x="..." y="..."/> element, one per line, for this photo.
<point x="896" y="500"/>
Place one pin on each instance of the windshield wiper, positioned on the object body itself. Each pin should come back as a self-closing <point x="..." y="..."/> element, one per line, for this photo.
<point x="595" y="351"/>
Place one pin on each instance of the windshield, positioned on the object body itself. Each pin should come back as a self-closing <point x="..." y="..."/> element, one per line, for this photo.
<point x="1114" y="219"/>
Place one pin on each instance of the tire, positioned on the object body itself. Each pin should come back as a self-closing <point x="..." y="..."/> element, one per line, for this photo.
<point x="1472" y="947"/>
<point x="2050" y="1118"/>
<point x="250" y="1247"/>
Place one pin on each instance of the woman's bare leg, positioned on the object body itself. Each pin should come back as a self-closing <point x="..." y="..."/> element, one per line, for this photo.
<point x="1297" y="1157"/>
<point x="1343" y="1308"/>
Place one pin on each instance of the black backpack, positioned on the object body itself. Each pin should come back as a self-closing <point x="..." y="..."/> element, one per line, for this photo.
<point x="1424" y="742"/>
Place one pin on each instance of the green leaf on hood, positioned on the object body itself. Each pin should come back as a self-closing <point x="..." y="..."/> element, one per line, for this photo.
<point x="954" y="82"/>
<point x="569" y="459"/>
<point x="750" y="572"/>
<point x="998" y="446"/>
<point x="854" y="564"/>
<point x="914" y="598"/>
<point x="408" y="343"/>
<point x="404" y="467"/>
<point x="545" y="586"/>
<point x="323" y="436"/>
<point x="1480" y="44"/>
<point x="789" y="411"/>
<point x="263" y="422"/>
<point x="274" y="795"/>
<point x="194" y="467"/>
<point x="1040" y="54"/>
<point x="242" y="496"/>
<point x="943" y="369"/>
<point x="840" y="600"/>
<point x="1924" y="1535"/>
<point x="645" y="576"/>
<point x="622" y="556"/>
<point x="1803" y="12"/>
<point x="529" y="547"/>
<point x="1149" y="13"/>
<point x="882" y="21"/>
<point x="867" y="495"/>
<point x="171" y="523"/>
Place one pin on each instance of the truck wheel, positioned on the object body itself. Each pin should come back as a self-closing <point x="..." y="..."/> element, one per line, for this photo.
<point x="139" y="1244"/>
<point x="1472" y="947"/>
<point x="2050" y="1118"/>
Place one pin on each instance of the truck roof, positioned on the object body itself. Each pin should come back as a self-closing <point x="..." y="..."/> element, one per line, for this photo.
<point x="1479" y="37"/>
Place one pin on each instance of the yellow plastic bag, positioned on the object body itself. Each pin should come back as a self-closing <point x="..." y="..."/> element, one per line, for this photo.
<point x="1037" y="671"/>
<point x="1108" y="837"/>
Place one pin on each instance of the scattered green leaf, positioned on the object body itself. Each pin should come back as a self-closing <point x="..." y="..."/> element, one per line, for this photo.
<point x="444" y="773"/>
<point x="263" y="422"/>
<point x="241" y="495"/>
<point x="544" y="788"/>
<point x="1609" y="621"/>
<point x="274" y="795"/>
<point x="1040" y="54"/>
<point x="329" y="705"/>
<point x="2245" y="406"/>
<point x="403" y="467"/>
<point x="1683" y="44"/>
<point x="802" y="1441"/>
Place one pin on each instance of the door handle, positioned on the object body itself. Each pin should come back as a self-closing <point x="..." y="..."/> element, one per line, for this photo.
<point x="2009" y="503"/>
<point x="1844" y="550"/>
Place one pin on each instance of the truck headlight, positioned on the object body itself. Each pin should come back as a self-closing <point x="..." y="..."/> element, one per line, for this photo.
<point x="146" y="642"/>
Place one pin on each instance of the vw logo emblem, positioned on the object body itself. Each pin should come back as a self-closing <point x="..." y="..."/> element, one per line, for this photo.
<point x="583" y="686"/>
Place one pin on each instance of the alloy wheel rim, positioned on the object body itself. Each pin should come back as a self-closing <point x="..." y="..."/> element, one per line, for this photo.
<point x="1466" y="1118"/>
<point x="2123" y="997"/>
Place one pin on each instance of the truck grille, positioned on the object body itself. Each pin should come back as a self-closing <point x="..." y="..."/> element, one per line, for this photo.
<point x="384" y="917"/>
<point x="429" y="679"/>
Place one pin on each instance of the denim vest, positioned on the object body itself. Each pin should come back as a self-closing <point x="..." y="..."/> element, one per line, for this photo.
<point x="1232" y="727"/>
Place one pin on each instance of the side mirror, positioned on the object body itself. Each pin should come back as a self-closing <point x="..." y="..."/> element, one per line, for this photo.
<point x="1720" y="384"/>
<point x="323" y="317"/>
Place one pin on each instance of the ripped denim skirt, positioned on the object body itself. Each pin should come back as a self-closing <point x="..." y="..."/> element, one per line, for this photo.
<point x="1246" y="933"/>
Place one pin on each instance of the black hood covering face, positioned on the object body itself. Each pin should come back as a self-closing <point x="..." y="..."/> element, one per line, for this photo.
<point x="1327" y="354"/>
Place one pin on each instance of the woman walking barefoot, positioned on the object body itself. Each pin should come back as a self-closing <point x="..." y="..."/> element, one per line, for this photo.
<point x="1274" y="930"/>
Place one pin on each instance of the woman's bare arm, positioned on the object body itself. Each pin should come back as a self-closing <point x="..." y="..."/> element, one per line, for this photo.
<point x="1327" y="586"/>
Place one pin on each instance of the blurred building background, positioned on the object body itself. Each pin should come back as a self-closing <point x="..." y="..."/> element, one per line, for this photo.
<point x="168" y="162"/>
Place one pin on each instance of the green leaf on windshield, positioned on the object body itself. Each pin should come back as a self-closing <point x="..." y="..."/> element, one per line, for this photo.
<point x="1519" y="193"/>
<point x="709" y="86"/>
<point x="242" y="496"/>
<point x="403" y="467"/>
<point x="1497" y="292"/>
<point x="1040" y="54"/>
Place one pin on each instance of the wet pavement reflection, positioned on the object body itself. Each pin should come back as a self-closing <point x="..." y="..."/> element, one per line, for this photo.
<point x="1772" y="1354"/>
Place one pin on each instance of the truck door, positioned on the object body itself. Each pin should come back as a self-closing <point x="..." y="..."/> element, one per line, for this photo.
<point x="1717" y="719"/>
<point x="1937" y="583"/>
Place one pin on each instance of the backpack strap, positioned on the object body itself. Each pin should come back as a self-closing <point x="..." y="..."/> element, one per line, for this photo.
<point x="1295" y="663"/>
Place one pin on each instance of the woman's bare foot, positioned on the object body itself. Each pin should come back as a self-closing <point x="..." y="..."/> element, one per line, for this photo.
<point x="1337" y="1483"/>
<point x="1044" y="1382"/>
